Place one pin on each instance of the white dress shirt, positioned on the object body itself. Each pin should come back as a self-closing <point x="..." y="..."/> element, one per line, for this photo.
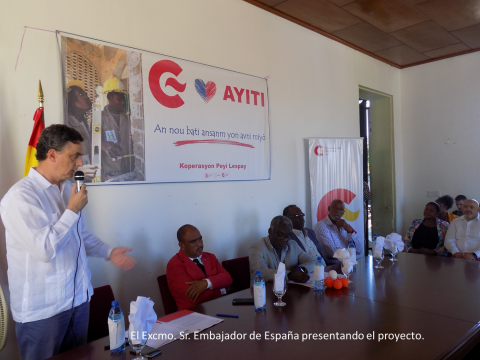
<point x="209" y="283"/>
<point x="309" y="246"/>
<point x="43" y="243"/>
<point x="463" y="236"/>
<point x="332" y="238"/>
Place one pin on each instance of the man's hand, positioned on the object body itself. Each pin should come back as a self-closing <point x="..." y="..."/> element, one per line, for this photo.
<point x="298" y="276"/>
<point x="230" y="289"/>
<point x="77" y="200"/>
<point x="459" y="255"/>
<point x="112" y="149"/>
<point x="196" y="289"/>
<point x="468" y="256"/>
<point x="120" y="259"/>
<point x="342" y="223"/>
<point x="89" y="171"/>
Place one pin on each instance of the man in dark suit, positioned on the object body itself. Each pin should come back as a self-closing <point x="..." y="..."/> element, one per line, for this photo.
<point x="304" y="237"/>
<point x="195" y="276"/>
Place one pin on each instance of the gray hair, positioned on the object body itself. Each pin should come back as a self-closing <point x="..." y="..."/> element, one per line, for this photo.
<point x="280" y="220"/>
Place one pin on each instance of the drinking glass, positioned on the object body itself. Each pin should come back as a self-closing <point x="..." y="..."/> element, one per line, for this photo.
<point x="347" y="274"/>
<point x="137" y="340"/>
<point x="280" y="293"/>
<point x="394" y="252"/>
<point x="378" y="256"/>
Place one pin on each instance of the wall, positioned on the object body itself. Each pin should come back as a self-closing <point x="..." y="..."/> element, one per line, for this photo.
<point x="440" y="114"/>
<point x="313" y="88"/>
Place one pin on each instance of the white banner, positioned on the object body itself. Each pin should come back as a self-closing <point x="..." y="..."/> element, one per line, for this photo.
<point x="336" y="172"/>
<point x="160" y="119"/>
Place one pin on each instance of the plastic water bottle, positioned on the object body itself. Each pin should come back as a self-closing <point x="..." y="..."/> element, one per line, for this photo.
<point x="318" y="274"/>
<point x="374" y="239"/>
<point x="259" y="295"/>
<point x="116" y="328"/>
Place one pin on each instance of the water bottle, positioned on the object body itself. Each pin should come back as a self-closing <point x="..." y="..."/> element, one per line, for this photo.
<point x="318" y="274"/>
<point x="116" y="328"/>
<point x="259" y="295"/>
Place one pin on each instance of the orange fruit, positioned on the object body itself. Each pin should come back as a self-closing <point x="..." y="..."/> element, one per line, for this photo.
<point x="344" y="282"/>
<point x="337" y="284"/>
<point x="328" y="282"/>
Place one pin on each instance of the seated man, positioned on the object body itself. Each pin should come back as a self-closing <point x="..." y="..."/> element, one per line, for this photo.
<point x="459" y="200"/>
<point x="304" y="237"/>
<point x="195" y="276"/>
<point x="463" y="235"/>
<point x="334" y="233"/>
<point x="277" y="247"/>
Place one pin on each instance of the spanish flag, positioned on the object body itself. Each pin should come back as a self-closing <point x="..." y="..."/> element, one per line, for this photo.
<point x="38" y="126"/>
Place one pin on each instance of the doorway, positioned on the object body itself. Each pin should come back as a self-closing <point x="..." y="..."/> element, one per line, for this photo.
<point x="376" y="127"/>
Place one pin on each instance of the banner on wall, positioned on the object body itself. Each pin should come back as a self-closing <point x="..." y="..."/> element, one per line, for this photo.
<point x="147" y="117"/>
<point x="336" y="172"/>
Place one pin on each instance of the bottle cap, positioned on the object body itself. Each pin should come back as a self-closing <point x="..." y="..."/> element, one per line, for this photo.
<point x="374" y="234"/>
<point x="319" y="258"/>
<point x="115" y="303"/>
<point x="259" y="272"/>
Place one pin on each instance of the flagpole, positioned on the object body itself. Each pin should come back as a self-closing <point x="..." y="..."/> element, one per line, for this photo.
<point x="40" y="94"/>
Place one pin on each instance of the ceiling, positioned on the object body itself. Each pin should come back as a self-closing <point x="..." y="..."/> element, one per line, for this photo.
<point x="402" y="33"/>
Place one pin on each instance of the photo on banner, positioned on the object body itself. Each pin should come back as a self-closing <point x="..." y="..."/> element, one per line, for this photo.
<point x="336" y="172"/>
<point x="147" y="117"/>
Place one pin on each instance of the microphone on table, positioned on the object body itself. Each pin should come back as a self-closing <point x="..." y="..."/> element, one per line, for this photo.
<point x="79" y="177"/>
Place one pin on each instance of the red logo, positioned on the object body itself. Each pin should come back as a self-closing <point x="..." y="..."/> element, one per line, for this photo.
<point x="318" y="150"/>
<point x="343" y="194"/>
<point x="156" y="71"/>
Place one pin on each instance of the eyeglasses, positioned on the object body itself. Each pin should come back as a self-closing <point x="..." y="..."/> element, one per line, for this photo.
<point x="297" y="215"/>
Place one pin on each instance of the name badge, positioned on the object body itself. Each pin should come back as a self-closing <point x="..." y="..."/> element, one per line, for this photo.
<point x="110" y="135"/>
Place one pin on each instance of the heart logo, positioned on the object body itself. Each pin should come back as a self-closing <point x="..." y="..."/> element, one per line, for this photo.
<point x="206" y="92"/>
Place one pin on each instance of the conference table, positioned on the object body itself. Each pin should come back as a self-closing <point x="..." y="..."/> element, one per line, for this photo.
<point x="433" y="301"/>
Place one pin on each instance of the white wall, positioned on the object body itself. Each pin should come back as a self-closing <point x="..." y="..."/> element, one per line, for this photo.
<point x="441" y="115"/>
<point x="313" y="88"/>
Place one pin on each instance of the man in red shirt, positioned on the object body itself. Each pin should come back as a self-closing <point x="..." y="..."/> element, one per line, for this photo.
<point x="195" y="276"/>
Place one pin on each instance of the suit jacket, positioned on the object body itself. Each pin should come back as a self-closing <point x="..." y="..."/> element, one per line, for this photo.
<point x="181" y="269"/>
<point x="262" y="257"/>
<point x="311" y="236"/>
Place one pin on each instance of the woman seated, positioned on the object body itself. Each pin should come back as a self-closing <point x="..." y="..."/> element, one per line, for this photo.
<point x="446" y="203"/>
<point x="426" y="235"/>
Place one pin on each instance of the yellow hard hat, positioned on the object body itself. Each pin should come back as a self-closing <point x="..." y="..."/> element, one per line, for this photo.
<point x="113" y="85"/>
<point x="78" y="83"/>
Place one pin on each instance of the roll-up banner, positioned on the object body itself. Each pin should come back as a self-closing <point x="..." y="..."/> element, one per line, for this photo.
<point x="147" y="117"/>
<point x="336" y="172"/>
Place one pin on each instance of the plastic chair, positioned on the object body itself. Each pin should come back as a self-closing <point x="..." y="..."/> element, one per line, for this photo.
<point x="169" y="303"/>
<point x="239" y="269"/>
<point x="100" y="305"/>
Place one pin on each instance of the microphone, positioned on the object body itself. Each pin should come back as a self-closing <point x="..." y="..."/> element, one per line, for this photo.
<point x="79" y="177"/>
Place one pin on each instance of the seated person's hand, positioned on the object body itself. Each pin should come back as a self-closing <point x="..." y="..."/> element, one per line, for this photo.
<point x="196" y="288"/>
<point x="230" y="289"/>
<point x="89" y="171"/>
<point x="342" y="223"/>
<point x="459" y="255"/>
<point x="298" y="276"/>
<point x="468" y="256"/>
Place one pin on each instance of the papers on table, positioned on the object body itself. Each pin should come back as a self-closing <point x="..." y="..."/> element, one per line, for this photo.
<point x="170" y="328"/>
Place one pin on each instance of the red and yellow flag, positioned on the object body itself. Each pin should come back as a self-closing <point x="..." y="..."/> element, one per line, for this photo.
<point x="38" y="126"/>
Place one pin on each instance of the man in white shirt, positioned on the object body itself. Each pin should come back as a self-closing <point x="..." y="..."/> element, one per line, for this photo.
<point x="335" y="233"/>
<point x="47" y="249"/>
<point x="463" y="235"/>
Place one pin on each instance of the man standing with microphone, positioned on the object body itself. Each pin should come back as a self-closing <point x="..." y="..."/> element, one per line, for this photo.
<point x="47" y="249"/>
